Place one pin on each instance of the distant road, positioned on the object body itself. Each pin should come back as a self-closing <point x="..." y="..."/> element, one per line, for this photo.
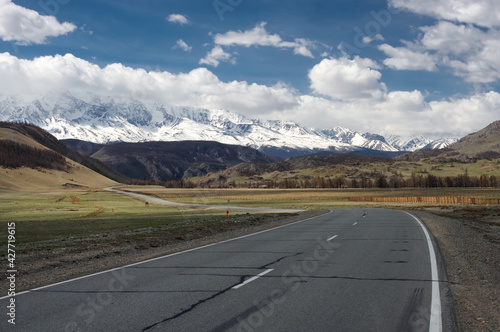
<point x="203" y="206"/>
<point x="347" y="270"/>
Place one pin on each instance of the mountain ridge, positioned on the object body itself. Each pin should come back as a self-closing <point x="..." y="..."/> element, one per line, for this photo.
<point x="101" y="120"/>
<point x="165" y="161"/>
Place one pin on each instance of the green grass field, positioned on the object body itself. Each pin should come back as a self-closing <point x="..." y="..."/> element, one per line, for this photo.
<point x="81" y="214"/>
<point x="42" y="217"/>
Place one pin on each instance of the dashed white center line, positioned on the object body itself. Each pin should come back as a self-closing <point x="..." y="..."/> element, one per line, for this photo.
<point x="252" y="279"/>
<point x="333" y="237"/>
<point x="355" y="223"/>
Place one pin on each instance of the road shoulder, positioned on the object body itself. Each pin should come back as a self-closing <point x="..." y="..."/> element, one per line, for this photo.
<point x="471" y="252"/>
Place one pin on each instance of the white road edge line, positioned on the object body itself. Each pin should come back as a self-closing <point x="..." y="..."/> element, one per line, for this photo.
<point x="158" y="258"/>
<point x="253" y="278"/>
<point x="333" y="237"/>
<point x="435" y="323"/>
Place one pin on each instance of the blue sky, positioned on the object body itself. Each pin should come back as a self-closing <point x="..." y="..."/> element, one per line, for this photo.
<point x="402" y="66"/>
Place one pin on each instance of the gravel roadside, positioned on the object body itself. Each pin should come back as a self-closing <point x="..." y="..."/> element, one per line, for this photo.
<point x="471" y="252"/>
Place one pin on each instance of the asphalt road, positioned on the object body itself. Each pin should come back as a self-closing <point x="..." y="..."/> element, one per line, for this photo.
<point x="348" y="270"/>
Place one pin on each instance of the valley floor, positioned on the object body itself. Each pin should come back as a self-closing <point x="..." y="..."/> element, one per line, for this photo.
<point x="469" y="239"/>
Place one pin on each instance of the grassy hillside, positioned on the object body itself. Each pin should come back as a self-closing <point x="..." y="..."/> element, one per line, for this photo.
<point x="15" y="155"/>
<point x="484" y="144"/>
<point x="485" y="140"/>
<point x="43" y="180"/>
<point x="341" y="171"/>
<point x="37" y="137"/>
<point x="16" y="136"/>
<point x="28" y="162"/>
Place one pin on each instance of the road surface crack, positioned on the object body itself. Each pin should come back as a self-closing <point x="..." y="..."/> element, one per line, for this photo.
<point x="192" y="307"/>
<point x="266" y="266"/>
<point x="200" y="302"/>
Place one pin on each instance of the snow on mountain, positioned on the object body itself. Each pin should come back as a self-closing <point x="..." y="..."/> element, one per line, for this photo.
<point x="368" y="141"/>
<point x="407" y="143"/>
<point x="440" y="144"/>
<point x="103" y="119"/>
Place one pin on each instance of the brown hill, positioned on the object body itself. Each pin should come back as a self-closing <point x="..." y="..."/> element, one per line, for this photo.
<point x="483" y="144"/>
<point x="301" y="163"/>
<point x="38" y="138"/>
<point x="308" y="167"/>
<point x="31" y="160"/>
<point x="165" y="161"/>
<point x="485" y="140"/>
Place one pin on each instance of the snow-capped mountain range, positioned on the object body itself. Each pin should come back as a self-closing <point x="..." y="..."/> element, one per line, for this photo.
<point x="102" y="120"/>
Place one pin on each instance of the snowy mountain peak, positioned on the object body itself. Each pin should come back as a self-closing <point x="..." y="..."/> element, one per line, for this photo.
<point x="101" y="119"/>
<point x="440" y="144"/>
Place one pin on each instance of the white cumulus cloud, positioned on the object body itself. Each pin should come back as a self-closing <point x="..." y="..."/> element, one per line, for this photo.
<point x="485" y="13"/>
<point x="25" y="26"/>
<point x="450" y="38"/>
<point x="178" y="19"/>
<point x="466" y="39"/>
<point x="215" y="56"/>
<point x="198" y="88"/>
<point x="345" y="78"/>
<point x="399" y="112"/>
<point x="402" y="58"/>
<point x="377" y="37"/>
<point x="359" y="101"/>
<point x="181" y="44"/>
<point x="258" y="36"/>
<point x="470" y="52"/>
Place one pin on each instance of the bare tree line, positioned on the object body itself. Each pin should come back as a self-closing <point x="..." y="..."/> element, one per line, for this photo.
<point x="15" y="155"/>
<point x="340" y="182"/>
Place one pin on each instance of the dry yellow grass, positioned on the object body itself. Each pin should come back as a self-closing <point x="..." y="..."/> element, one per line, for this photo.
<point x="32" y="180"/>
<point x="305" y="198"/>
<point x="12" y="135"/>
